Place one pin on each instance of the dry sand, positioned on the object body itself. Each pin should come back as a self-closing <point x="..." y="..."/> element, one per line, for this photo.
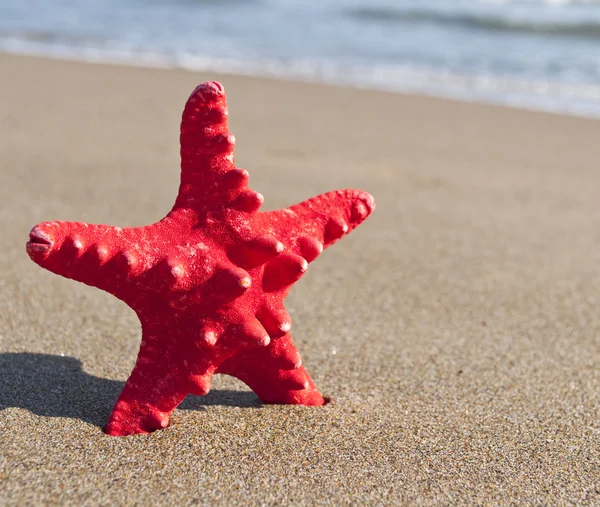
<point x="457" y="330"/>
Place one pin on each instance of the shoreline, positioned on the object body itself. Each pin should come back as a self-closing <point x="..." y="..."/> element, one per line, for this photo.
<point x="265" y="70"/>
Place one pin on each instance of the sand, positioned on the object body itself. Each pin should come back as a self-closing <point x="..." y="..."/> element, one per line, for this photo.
<point x="457" y="331"/>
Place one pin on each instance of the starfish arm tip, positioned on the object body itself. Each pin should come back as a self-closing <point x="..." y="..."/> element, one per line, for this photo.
<point x="207" y="91"/>
<point x="102" y="256"/>
<point x="317" y="223"/>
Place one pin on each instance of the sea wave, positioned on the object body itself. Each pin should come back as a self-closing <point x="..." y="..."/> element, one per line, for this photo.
<point x="545" y="2"/>
<point x="570" y="98"/>
<point x="477" y="21"/>
<point x="51" y="37"/>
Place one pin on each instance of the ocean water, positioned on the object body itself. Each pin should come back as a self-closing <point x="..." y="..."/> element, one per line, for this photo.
<point x="540" y="54"/>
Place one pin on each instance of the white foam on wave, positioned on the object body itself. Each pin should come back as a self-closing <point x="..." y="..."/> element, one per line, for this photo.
<point x="575" y="99"/>
<point x="542" y="2"/>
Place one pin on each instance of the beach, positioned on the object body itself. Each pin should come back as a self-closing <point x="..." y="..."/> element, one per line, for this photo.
<point x="457" y="331"/>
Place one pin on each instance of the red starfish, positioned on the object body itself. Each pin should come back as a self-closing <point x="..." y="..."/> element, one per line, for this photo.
<point x="207" y="281"/>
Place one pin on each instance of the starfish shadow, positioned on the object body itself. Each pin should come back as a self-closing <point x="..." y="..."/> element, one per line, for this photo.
<point x="56" y="386"/>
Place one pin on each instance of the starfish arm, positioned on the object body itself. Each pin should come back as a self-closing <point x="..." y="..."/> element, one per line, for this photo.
<point x="275" y="373"/>
<point x="154" y="389"/>
<point x="310" y="226"/>
<point x="78" y="250"/>
<point x="209" y="178"/>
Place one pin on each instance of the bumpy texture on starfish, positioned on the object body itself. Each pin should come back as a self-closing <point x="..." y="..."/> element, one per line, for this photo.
<point x="207" y="281"/>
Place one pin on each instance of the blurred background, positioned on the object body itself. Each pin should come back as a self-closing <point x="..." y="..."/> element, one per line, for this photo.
<point x="539" y="54"/>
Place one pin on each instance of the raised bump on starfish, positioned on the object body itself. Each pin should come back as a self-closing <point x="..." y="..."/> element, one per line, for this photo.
<point x="208" y="281"/>
<point x="276" y="321"/>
